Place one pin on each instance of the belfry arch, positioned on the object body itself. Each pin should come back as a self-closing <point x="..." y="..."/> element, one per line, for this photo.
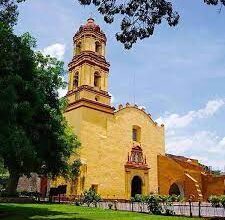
<point x="97" y="80"/>
<point x="98" y="48"/>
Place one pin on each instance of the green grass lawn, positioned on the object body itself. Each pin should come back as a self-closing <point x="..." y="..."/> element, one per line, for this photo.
<point x="62" y="212"/>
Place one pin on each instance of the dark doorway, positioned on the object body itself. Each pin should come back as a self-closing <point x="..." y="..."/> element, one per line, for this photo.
<point x="136" y="186"/>
<point x="43" y="186"/>
<point x="174" y="190"/>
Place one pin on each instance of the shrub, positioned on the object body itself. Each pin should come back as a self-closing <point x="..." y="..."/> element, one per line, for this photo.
<point x="215" y="201"/>
<point x="139" y="198"/>
<point x="91" y="197"/>
<point x="5" y="194"/>
<point x="222" y="201"/>
<point x="153" y="203"/>
<point x="167" y="202"/>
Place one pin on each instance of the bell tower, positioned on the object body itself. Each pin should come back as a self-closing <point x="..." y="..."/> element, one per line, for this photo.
<point x="89" y="70"/>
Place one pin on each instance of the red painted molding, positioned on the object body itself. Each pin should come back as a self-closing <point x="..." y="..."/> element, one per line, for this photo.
<point x="88" y="88"/>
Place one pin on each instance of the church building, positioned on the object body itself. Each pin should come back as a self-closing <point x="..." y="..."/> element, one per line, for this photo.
<point x="122" y="149"/>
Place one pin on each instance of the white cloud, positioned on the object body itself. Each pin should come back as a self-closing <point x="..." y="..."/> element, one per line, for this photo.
<point x="62" y="92"/>
<point x="181" y="121"/>
<point x="55" y="50"/>
<point x="112" y="98"/>
<point x="142" y="107"/>
<point x="211" y="108"/>
<point x="205" y="146"/>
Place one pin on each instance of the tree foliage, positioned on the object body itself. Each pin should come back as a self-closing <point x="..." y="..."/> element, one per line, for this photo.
<point x="34" y="135"/>
<point x="74" y="169"/>
<point x="9" y="12"/>
<point x="139" y="18"/>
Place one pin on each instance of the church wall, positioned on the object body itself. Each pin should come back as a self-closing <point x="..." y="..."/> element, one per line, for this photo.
<point x="214" y="186"/>
<point x="169" y="172"/>
<point x="97" y="151"/>
<point x="190" y="177"/>
<point x="106" y="140"/>
<point x="152" y="139"/>
<point x="172" y="172"/>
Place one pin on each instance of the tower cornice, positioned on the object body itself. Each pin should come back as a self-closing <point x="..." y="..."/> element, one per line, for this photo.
<point x="88" y="88"/>
<point x="91" y="58"/>
<point x="88" y="33"/>
<point x="91" y="105"/>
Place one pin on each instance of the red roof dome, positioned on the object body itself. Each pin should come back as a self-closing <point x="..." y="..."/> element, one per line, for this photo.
<point x="90" y="28"/>
<point x="91" y="25"/>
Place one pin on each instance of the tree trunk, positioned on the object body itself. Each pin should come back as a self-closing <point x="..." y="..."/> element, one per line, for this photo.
<point x="12" y="184"/>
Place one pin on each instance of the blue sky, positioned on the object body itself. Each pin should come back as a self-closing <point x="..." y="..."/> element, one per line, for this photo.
<point x="179" y="72"/>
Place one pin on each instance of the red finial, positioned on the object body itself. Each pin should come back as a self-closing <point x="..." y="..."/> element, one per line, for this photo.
<point x="90" y="20"/>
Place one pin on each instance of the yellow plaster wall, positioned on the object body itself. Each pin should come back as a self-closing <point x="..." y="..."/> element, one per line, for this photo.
<point x="106" y="140"/>
<point x="169" y="172"/>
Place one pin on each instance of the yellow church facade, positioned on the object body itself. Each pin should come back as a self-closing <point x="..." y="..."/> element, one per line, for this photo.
<point x="122" y="149"/>
<point x="117" y="145"/>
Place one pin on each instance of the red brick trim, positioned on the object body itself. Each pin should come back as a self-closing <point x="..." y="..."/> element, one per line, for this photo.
<point x="96" y="106"/>
<point x="88" y="88"/>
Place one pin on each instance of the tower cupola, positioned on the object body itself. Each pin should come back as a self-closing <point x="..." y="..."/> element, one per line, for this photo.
<point x="89" y="38"/>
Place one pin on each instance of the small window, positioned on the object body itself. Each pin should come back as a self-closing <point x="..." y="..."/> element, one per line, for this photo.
<point x="98" y="48"/>
<point x="94" y="187"/>
<point x="136" y="133"/>
<point x="76" y="79"/>
<point x="97" y="80"/>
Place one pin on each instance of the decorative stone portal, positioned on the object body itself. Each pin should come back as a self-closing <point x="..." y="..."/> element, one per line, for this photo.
<point x="136" y="173"/>
<point x="136" y="186"/>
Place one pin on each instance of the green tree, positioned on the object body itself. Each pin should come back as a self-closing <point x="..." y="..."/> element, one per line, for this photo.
<point x="34" y="135"/>
<point x="9" y="12"/>
<point x="139" y="18"/>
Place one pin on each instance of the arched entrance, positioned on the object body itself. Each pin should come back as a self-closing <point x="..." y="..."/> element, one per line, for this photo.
<point x="136" y="186"/>
<point x="176" y="189"/>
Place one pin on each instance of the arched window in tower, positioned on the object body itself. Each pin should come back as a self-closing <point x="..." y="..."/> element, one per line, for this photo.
<point x="97" y="80"/>
<point x="98" y="48"/>
<point x="76" y="80"/>
<point x="78" y="48"/>
<point x="136" y="133"/>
